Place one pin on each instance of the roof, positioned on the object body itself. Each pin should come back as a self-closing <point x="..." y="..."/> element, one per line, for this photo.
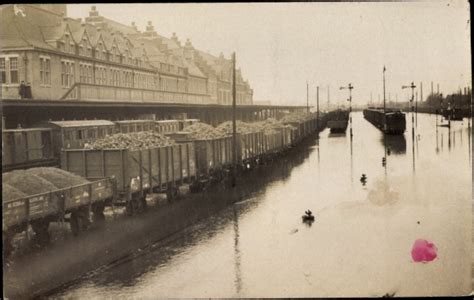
<point x="166" y="121"/>
<point x="134" y="121"/>
<point x="82" y="123"/>
<point x="20" y="32"/>
<point x="193" y="70"/>
<point x="26" y="129"/>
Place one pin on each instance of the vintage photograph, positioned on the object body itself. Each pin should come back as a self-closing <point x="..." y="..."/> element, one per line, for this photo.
<point x="236" y="150"/>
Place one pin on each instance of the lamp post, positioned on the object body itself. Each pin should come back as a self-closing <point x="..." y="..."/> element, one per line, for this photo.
<point x="349" y="87"/>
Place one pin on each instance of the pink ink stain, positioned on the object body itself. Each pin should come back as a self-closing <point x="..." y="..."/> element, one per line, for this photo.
<point x="423" y="251"/>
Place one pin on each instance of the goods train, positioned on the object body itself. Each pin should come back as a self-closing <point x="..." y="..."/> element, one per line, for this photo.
<point x="338" y="124"/>
<point x="394" y="120"/>
<point x="123" y="177"/>
<point x="41" y="145"/>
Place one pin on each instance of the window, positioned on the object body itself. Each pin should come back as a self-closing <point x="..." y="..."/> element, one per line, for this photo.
<point x="2" y="70"/>
<point x="45" y="71"/>
<point x="80" y="135"/>
<point x="13" y="69"/>
<point x="67" y="73"/>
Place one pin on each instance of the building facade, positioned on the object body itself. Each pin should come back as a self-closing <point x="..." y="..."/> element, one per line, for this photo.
<point x="98" y="59"/>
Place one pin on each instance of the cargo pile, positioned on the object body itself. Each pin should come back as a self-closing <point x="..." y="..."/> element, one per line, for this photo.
<point x="131" y="141"/>
<point x="296" y="117"/>
<point x="11" y="193"/>
<point x="202" y="131"/>
<point x="27" y="183"/>
<point x="242" y="127"/>
<point x="60" y="178"/>
<point x="22" y="183"/>
<point x="268" y="126"/>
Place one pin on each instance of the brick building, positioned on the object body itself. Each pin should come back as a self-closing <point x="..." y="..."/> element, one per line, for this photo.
<point x="101" y="59"/>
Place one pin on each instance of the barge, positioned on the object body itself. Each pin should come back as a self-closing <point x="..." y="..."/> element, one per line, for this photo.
<point x="391" y="121"/>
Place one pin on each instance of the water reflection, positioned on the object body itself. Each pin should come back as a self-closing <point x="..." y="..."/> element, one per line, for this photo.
<point x="256" y="245"/>
<point x="396" y="144"/>
<point x="238" y="274"/>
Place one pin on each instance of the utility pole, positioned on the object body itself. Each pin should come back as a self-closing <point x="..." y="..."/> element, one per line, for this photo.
<point x="307" y="97"/>
<point x="317" y="109"/>
<point x="437" y="88"/>
<point x="431" y="88"/>
<point x="328" y="97"/>
<point x="349" y="87"/>
<point x="416" y="110"/>
<point x="234" y="125"/>
<point x="412" y="86"/>
<point x="384" y="106"/>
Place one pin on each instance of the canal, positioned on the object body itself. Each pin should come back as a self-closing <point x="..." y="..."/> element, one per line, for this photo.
<point x="359" y="244"/>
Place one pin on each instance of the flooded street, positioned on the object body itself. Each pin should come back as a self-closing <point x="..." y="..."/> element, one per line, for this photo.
<point x="359" y="244"/>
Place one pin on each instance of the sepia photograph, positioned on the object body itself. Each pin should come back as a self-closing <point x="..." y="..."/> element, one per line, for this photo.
<point x="237" y="150"/>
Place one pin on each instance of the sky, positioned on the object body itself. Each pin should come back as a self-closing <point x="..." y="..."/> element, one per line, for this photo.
<point x="281" y="46"/>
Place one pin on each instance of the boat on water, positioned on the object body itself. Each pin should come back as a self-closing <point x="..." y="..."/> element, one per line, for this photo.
<point x="390" y="121"/>
<point x="338" y="124"/>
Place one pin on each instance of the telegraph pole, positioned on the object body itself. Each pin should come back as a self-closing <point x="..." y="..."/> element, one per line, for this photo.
<point x="328" y="97"/>
<point x="349" y="87"/>
<point x="307" y="97"/>
<point x="416" y="110"/>
<point x="234" y="125"/>
<point x="317" y="108"/>
<point x="384" y="106"/>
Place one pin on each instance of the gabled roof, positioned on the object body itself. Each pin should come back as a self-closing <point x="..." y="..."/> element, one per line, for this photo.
<point x="78" y="30"/>
<point x="193" y="70"/>
<point x="81" y="123"/>
<point x="19" y="32"/>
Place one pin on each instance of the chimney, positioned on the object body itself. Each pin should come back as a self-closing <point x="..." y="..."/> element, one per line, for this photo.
<point x="134" y="26"/>
<point x="175" y="39"/>
<point x="93" y="12"/>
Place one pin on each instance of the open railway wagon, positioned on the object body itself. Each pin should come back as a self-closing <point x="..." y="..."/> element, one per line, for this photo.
<point x="137" y="172"/>
<point x="393" y="119"/>
<point x="39" y="210"/>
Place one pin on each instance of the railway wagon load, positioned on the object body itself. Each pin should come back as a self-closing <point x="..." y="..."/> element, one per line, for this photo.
<point x="39" y="209"/>
<point x="26" y="147"/>
<point x="137" y="172"/>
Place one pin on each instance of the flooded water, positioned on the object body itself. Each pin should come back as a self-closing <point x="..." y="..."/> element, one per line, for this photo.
<point x="359" y="244"/>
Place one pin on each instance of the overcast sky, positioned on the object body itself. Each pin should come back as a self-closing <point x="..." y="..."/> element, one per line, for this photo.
<point x="279" y="46"/>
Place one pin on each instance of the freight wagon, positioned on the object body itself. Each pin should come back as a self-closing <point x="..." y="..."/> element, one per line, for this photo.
<point x="27" y="147"/>
<point x="128" y="126"/>
<point x="390" y="122"/>
<point x="75" y="134"/>
<point x="41" y="209"/>
<point x="136" y="172"/>
<point x="167" y="126"/>
<point x="41" y="146"/>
